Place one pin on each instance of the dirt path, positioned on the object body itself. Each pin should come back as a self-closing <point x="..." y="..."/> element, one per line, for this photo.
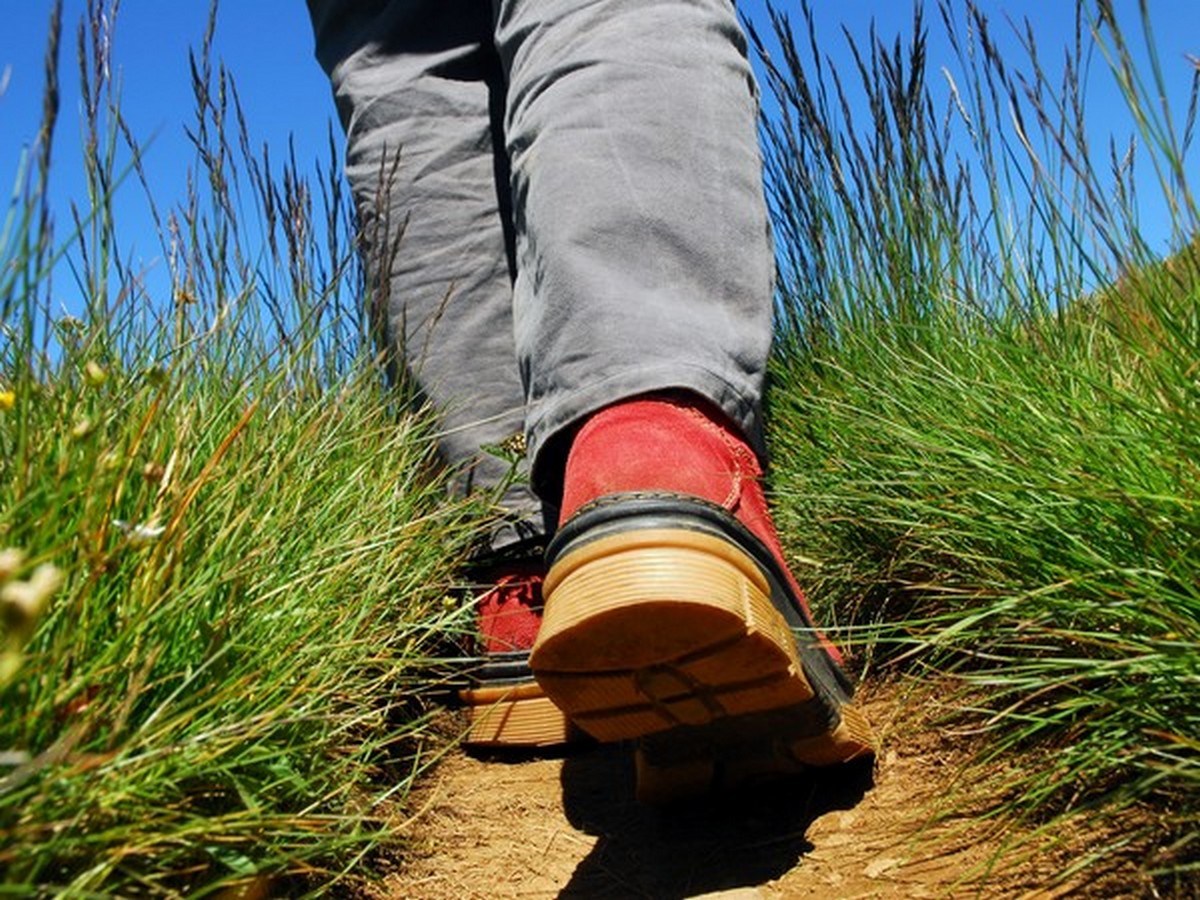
<point x="570" y="828"/>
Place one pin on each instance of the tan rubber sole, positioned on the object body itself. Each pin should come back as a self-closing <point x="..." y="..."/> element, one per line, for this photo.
<point x="516" y="716"/>
<point x="668" y="631"/>
<point x="675" y="766"/>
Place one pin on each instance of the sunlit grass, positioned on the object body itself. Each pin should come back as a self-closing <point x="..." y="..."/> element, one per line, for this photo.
<point x="228" y="547"/>
<point x="224" y="546"/>
<point x="985" y="409"/>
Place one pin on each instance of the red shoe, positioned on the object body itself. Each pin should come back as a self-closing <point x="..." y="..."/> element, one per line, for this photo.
<point x="507" y="707"/>
<point x="671" y="615"/>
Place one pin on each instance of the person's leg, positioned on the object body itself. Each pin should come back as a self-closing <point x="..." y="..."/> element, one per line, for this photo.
<point x="420" y="95"/>
<point x="643" y="248"/>
<point x="643" y="314"/>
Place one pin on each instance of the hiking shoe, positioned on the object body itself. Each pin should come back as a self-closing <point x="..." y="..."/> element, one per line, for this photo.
<point x="671" y="616"/>
<point x="507" y="707"/>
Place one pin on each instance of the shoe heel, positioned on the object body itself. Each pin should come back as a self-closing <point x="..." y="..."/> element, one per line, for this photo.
<point x="852" y="738"/>
<point x="653" y="629"/>
<point x="514" y="717"/>
<point x="662" y="785"/>
<point x="682" y="764"/>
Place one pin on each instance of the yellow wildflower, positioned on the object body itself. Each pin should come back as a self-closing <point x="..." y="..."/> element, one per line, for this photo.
<point x="8" y="399"/>
<point x="94" y="373"/>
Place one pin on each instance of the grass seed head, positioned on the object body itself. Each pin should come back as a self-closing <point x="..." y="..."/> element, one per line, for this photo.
<point x="155" y="375"/>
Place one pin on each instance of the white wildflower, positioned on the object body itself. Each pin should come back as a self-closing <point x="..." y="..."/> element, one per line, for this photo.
<point x="139" y="534"/>
<point x="11" y="559"/>
<point x="24" y="601"/>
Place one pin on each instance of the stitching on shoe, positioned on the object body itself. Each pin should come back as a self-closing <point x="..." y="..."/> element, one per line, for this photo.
<point x="622" y="496"/>
<point x="745" y="462"/>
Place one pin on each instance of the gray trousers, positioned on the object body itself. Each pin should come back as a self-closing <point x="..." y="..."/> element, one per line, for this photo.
<point x="561" y="205"/>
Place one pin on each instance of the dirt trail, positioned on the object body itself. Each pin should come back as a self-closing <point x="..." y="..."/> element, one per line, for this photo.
<point x="570" y="828"/>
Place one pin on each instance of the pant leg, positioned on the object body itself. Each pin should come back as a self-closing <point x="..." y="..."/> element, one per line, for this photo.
<point x="420" y="94"/>
<point x="644" y="257"/>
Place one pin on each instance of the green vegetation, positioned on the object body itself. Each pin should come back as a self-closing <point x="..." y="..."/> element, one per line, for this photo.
<point x="225" y="553"/>
<point x="988" y="444"/>
<point x="224" y="548"/>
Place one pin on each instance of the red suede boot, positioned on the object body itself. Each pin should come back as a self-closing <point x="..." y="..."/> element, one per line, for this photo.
<point x="508" y="709"/>
<point x="671" y="615"/>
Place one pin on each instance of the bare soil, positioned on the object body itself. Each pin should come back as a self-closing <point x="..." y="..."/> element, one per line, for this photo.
<point x="905" y="826"/>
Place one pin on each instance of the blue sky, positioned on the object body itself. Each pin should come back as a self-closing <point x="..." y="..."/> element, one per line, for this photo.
<point x="267" y="44"/>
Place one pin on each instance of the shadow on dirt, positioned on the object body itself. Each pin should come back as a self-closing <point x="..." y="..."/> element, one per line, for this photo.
<point x="697" y="848"/>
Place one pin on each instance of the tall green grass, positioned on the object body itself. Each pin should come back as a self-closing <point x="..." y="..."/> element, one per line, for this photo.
<point x="227" y="546"/>
<point x="230" y="548"/>
<point x="985" y="409"/>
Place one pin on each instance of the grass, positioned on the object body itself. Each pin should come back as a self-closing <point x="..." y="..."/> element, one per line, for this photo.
<point x="986" y="426"/>
<point x="228" y="547"/>
<point x="225" y="549"/>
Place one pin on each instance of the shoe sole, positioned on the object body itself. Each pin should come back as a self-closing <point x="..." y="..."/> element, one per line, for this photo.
<point x="515" y="716"/>
<point x="670" y="635"/>
<point x="749" y="750"/>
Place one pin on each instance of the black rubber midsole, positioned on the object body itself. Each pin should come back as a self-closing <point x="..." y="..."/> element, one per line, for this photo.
<point x="498" y="669"/>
